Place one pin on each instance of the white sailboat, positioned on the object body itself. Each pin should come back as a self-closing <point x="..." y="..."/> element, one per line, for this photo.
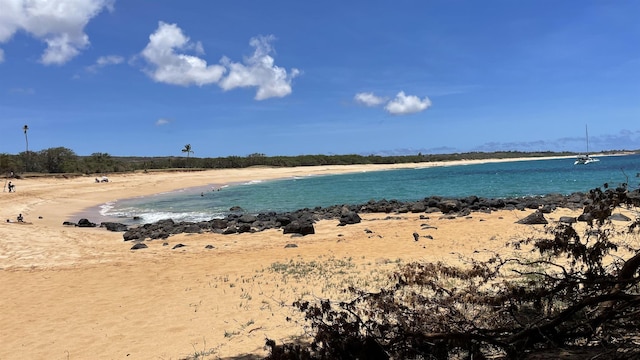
<point x="585" y="159"/>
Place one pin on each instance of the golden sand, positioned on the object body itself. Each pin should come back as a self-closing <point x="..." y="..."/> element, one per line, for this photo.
<point x="81" y="293"/>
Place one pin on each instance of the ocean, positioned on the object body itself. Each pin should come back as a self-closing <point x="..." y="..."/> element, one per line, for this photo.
<point x="489" y="180"/>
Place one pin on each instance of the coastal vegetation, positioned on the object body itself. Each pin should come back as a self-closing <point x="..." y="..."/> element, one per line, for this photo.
<point x="61" y="160"/>
<point x="575" y="296"/>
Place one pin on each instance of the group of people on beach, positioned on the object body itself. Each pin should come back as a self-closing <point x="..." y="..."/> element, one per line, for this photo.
<point x="20" y="219"/>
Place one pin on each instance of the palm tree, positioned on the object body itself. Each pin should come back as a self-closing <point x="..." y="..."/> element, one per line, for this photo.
<point x="26" y="139"/>
<point x="187" y="149"/>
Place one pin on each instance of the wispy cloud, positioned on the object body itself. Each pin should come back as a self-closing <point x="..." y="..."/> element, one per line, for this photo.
<point x="162" y="121"/>
<point x="170" y="64"/>
<point x="25" y="91"/>
<point x="60" y="27"/>
<point x="623" y="140"/>
<point x="104" y="61"/>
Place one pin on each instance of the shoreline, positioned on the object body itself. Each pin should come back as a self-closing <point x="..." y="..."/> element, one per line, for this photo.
<point x="82" y="293"/>
<point x="95" y="211"/>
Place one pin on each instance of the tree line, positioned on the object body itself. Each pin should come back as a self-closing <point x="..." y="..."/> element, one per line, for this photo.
<point x="61" y="160"/>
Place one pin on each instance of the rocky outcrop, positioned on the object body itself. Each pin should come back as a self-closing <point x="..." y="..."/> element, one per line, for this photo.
<point x="113" y="226"/>
<point x="301" y="222"/>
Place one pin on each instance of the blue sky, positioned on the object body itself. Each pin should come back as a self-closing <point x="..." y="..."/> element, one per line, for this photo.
<point x="146" y="77"/>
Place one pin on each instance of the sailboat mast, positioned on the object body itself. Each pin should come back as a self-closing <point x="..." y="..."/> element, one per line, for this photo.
<point x="586" y="131"/>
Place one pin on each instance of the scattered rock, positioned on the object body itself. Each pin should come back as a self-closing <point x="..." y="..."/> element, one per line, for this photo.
<point x="86" y="223"/>
<point x="301" y="222"/>
<point x="586" y="217"/>
<point x="177" y="246"/>
<point x="536" y="218"/>
<point x="112" y="226"/>
<point x="290" y="246"/>
<point x="138" y="246"/>
<point x="619" y="217"/>
<point x="567" y="220"/>
<point x="299" y="227"/>
<point x="348" y="217"/>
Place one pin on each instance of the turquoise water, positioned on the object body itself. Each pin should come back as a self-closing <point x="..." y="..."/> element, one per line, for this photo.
<point x="494" y="180"/>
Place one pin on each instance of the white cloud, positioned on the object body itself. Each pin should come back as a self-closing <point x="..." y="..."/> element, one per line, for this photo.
<point x="259" y="71"/>
<point x="166" y="49"/>
<point x="162" y="121"/>
<point x="369" y="99"/>
<point x="403" y="104"/>
<point x="25" y="91"/>
<point x="109" y="60"/>
<point x="175" y="68"/>
<point x="105" y="61"/>
<point x="60" y="24"/>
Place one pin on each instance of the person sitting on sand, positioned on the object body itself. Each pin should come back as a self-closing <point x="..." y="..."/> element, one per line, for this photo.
<point x="20" y="218"/>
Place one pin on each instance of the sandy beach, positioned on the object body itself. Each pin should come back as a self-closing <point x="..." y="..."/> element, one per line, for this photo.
<point x="81" y="293"/>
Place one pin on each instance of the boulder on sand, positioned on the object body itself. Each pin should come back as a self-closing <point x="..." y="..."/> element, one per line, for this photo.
<point x="536" y="218"/>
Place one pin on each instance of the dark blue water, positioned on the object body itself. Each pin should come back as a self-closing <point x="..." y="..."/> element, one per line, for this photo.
<point x="491" y="180"/>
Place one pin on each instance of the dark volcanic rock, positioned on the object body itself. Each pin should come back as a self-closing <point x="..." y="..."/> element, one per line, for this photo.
<point x="113" y="226"/>
<point x="568" y="219"/>
<point x="86" y="223"/>
<point x="138" y="246"/>
<point x="536" y="218"/>
<point x="585" y="217"/>
<point x="300" y="222"/>
<point x="619" y="217"/>
<point x="349" y="217"/>
<point x="449" y="206"/>
<point x="247" y="218"/>
<point x="299" y="227"/>
<point x="243" y="228"/>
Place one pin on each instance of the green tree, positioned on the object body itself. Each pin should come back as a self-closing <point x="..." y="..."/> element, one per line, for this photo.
<point x="187" y="149"/>
<point x="98" y="163"/>
<point x="58" y="160"/>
